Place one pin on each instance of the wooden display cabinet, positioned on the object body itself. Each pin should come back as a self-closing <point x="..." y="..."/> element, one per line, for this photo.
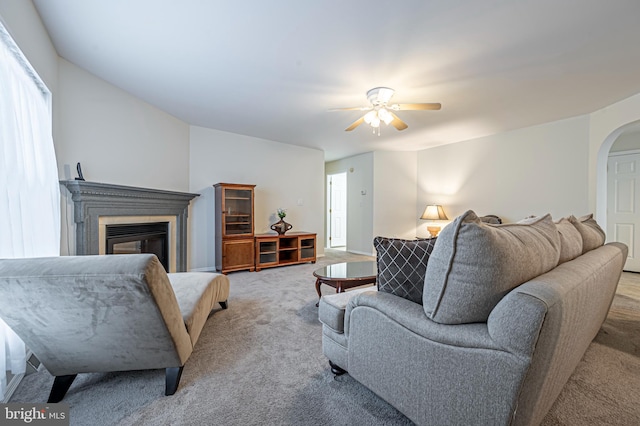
<point x="234" y="227"/>
<point x="289" y="249"/>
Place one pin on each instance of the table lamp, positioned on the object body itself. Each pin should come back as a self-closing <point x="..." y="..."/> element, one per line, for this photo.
<point x="434" y="212"/>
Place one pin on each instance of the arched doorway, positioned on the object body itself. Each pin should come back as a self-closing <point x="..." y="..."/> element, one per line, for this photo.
<point x="618" y="189"/>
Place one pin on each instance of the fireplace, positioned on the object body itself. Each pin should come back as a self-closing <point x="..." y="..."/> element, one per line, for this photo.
<point x="140" y="225"/>
<point x="99" y="206"/>
<point x="139" y="238"/>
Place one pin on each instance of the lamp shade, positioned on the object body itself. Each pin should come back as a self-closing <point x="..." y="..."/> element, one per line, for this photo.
<point x="434" y="212"/>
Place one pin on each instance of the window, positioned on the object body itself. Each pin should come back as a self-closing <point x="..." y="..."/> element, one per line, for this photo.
<point x="29" y="189"/>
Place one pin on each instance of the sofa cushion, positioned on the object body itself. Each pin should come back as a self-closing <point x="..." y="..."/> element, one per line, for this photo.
<point x="473" y="265"/>
<point x="592" y="235"/>
<point x="570" y="240"/>
<point x="402" y="265"/>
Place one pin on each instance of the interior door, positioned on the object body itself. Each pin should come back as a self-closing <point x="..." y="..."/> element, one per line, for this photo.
<point x="623" y="204"/>
<point x="337" y="215"/>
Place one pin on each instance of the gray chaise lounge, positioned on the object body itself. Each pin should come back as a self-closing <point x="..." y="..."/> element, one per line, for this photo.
<point x="82" y="314"/>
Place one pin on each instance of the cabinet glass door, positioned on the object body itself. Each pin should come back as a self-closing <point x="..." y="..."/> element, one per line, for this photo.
<point x="237" y="215"/>
<point x="308" y="248"/>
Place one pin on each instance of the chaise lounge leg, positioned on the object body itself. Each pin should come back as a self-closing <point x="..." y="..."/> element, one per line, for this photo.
<point x="224" y="304"/>
<point x="61" y="385"/>
<point x="173" y="375"/>
<point x="338" y="371"/>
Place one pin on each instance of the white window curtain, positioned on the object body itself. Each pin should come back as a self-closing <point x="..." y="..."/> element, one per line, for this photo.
<point x="29" y="189"/>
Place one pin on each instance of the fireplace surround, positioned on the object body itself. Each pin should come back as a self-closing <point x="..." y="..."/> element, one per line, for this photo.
<point x="97" y="205"/>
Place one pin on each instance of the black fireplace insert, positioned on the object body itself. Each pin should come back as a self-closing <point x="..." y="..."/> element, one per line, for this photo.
<point x="133" y="238"/>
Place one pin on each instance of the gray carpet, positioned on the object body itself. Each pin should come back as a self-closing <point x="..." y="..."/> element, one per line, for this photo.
<point x="260" y="362"/>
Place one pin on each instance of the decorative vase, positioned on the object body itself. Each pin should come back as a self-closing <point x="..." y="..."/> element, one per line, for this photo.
<point x="281" y="227"/>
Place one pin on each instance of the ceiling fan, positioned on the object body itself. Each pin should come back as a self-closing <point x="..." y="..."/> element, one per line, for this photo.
<point x="380" y="111"/>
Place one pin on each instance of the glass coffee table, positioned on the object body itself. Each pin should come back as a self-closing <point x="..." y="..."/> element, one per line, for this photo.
<point x="342" y="276"/>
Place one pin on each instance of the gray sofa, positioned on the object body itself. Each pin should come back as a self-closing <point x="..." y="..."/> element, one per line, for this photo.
<point x="82" y="314"/>
<point x="507" y="313"/>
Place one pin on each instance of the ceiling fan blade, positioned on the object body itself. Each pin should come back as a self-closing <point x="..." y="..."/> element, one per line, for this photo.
<point x="351" y="109"/>
<point x="408" y="107"/>
<point x="355" y="124"/>
<point x="397" y="123"/>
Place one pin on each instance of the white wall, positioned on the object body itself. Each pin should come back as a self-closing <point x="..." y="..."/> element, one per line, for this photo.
<point x="394" y="194"/>
<point x="118" y="138"/>
<point x="536" y="170"/>
<point x="284" y="175"/>
<point x="359" y="169"/>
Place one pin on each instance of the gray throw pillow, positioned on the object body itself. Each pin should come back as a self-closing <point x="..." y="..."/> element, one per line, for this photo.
<point x="474" y="265"/>
<point x="402" y="265"/>
<point x="592" y="235"/>
<point x="491" y="218"/>
<point x="570" y="240"/>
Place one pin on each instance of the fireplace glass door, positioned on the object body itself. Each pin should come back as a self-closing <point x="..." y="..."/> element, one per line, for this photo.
<point x="140" y="238"/>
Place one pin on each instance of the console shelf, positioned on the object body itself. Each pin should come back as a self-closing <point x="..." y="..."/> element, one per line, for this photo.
<point x="289" y="249"/>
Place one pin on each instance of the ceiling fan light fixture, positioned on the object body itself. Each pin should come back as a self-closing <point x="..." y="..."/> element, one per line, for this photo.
<point x="370" y="116"/>
<point x="385" y="116"/>
<point x="380" y="95"/>
<point x="381" y="111"/>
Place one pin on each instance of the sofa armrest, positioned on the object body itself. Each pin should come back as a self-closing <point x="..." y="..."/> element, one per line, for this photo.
<point x="331" y="308"/>
<point x="434" y="373"/>
<point x="513" y="326"/>
<point x="516" y="321"/>
<point x="411" y="316"/>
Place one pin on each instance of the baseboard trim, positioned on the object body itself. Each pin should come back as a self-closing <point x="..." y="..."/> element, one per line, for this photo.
<point x="205" y="269"/>
<point x="213" y="269"/>
<point x="360" y="252"/>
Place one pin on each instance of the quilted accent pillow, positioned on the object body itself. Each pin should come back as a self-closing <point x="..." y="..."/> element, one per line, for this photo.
<point x="592" y="235"/>
<point x="474" y="265"/>
<point x="402" y="265"/>
<point x="570" y="240"/>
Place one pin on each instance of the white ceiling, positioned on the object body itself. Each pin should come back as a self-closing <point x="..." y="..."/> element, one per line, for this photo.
<point x="272" y="69"/>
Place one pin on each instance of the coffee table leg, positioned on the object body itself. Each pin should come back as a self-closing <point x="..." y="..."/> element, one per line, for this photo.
<point x="318" y="282"/>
